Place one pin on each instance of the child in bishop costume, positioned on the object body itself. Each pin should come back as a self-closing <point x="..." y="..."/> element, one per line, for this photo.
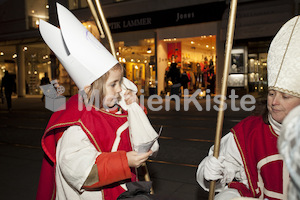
<point x="88" y="149"/>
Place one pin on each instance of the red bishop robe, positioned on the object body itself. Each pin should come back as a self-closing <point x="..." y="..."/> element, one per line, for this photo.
<point x="264" y="167"/>
<point x="100" y="127"/>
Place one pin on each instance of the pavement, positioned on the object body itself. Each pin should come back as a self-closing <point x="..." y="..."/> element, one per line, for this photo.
<point x="183" y="144"/>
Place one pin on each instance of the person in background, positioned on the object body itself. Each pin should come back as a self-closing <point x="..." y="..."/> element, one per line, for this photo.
<point x="88" y="149"/>
<point x="44" y="81"/>
<point x="211" y="82"/>
<point x="184" y="80"/>
<point x="174" y="74"/>
<point x="205" y="71"/>
<point x="249" y="164"/>
<point x="8" y="83"/>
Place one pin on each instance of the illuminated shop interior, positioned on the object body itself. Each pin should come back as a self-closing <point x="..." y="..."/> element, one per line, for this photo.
<point x="195" y="56"/>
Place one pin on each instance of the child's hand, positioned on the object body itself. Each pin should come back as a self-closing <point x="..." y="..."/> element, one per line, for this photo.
<point x="130" y="97"/>
<point x="135" y="159"/>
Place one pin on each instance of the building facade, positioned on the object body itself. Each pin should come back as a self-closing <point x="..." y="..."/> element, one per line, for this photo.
<point x="148" y="37"/>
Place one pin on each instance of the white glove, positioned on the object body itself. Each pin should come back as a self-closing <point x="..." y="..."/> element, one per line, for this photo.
<point x="213" y="168"/>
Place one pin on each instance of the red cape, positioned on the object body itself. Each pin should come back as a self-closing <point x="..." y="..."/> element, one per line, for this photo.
<point x="90" y="121"/>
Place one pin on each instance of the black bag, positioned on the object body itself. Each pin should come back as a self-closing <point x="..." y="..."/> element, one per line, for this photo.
<point x="137" y="191"/>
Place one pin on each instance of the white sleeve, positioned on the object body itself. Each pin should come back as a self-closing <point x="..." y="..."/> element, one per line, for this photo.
<point x="234" y="167"/>
<point x="75" y="157"/>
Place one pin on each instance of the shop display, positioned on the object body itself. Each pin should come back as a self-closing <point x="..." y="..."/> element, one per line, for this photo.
<point x="257" y="76"/>
<point x="237" y="63"/>
<point x="196" y="61"/>
<point x="237" y="72"/>
<point x="66" y="82"/>
<point x="139" y="63"/>
<point x="236" y="80"/>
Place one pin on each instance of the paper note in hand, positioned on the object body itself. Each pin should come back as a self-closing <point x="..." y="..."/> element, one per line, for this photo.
<point x="145" y="147"/>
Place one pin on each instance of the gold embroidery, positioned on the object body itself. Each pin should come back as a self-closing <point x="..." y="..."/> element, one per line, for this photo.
<point x="244" y="161"/>
<point x="286" y="51"/>
<point x="272" y="131"/>
<point x="284" y="91"/>
<point x="108" y="113"/>
<point x="53" y="193"/>
<point x="102" y="192"/>
<point x="83" y="126"/>
<point x="56" y="125"/>
<point x="94" y="140"/>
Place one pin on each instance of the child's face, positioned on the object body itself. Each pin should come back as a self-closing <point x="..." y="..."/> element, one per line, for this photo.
<point x="112" y="88"/>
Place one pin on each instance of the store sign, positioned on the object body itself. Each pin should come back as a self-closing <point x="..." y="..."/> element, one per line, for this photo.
<point x="181" y="16"/>
<point x="172" y="17"/>
<point x="130" y="23"/>
<point x="137" y="22"/>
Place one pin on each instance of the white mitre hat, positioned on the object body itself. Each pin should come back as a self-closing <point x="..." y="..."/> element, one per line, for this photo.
<point x="81" y="54"/>
<point x="284" y="59"/>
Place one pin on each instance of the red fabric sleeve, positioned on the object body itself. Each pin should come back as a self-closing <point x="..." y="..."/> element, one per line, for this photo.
<point x="112" y="167"/>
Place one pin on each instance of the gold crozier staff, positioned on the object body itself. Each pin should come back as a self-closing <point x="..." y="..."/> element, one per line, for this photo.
<point x="229" y="41"/>
<point x="103" y="23"/>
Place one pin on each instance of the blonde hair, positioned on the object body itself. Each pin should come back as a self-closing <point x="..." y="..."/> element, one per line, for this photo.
<point x="99" y="84"/>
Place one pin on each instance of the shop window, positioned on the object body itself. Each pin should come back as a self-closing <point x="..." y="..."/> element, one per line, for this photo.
<point x="8" y="62"/>
<point x="37" y="63"/>
<point x="139" y="61"/>
<point x="238" y="79"/>
<point x="257" y="75"/>
<point x="7" y="65"/>
<point x="66" y="81"/>
<point x="196" y="58"/>
<point x="76" y="4"/>
<point x="36" y="10"/>
<point x="237" y="70"/>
